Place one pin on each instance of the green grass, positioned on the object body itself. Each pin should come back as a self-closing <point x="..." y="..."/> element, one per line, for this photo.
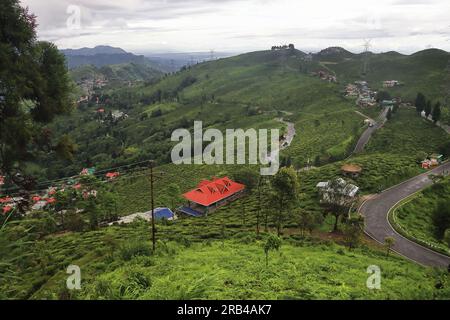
<point x="415" y="216"/>
<point x="236" y="269"/>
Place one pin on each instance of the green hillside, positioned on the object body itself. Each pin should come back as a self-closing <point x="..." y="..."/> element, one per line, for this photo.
<point x="116" y="72"/>
<point x="239" y="92"/>
<point x="415" y="216"/>
<point x="116" y="263"/>
<point x="424" y="71"/>
<point x="252" y="90"/>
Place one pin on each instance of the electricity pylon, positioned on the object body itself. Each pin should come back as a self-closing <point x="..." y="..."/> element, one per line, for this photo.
<point x="366" y="59"/>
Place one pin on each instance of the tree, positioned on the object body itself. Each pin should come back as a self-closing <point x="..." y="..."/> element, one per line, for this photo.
<point x="428" y="108"/>
<point x="447" y="237"/>
<point x="420" y="103"/>
<point x="420" y="156"/>
<point x="388" y="243"/>
<point x="395" y="108"/>
<point x="173" y="191"/>
<point x="34" y="88"/>
<point x="441" y="218"/>
<point x="285" y="187"/>
<point x="445" y="149"/>
<point x="382" y="95"/>
<point x="437" y="112"/>
<point x="389" y="114"/>
<point x="352" y="231"/>
<point x="307" y="221"/>
<point x="261" y="193"/>
<point x="273" y="243"/>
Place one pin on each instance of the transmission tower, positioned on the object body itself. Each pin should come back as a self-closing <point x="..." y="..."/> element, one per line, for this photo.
<point x="447" y="85"/>
<point x="366" y="59"/>
<point x="212" y="55"/>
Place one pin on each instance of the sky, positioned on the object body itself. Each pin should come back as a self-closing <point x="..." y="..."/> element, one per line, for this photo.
<point x="146" y="26"/>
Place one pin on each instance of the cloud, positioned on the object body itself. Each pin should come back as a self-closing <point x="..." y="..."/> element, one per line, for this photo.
<point x="196" y="25"/>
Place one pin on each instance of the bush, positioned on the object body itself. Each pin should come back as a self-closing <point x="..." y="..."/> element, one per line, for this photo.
<point x="134" y="249"/>
<point x="74" y="222"/>
<point x="441" y="218"/>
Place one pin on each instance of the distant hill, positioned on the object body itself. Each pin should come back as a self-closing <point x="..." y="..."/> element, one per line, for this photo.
<point x="93" y="51"/>
<point x="103" y="56"/>
<point x="333" y="54"/>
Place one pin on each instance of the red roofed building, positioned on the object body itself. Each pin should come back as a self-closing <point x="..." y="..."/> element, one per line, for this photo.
<point x="211" y="194"/>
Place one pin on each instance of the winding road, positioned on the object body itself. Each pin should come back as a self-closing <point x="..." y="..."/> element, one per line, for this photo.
<point x="378" y="227"/>
<point x="365" y="137"/>
<point x="376" y="209"/>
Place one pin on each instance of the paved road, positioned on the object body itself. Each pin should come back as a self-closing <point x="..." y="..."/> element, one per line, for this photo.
<point x="287" y="141"/>
<point x="369" y="131"/>
<point x="378" y="227"/>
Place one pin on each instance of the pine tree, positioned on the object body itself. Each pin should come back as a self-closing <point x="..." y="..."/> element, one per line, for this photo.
<point x="437" y="112"/>
<point x="33" y="72"/>
<point x="420" y="103"/>
<point x="428" y="108"/>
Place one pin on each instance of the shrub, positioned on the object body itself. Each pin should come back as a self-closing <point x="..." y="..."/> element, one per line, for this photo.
<point x="134" y="249"/>
<point x="441" y="218"/>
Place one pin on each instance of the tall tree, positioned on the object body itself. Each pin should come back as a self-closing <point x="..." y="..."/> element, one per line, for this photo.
<point x="437" y="112"/>
<point x="428" y="108"/>
<point x="34" y="88"/>
<point x="353" y="230"/>
<point x="285" y="187"/>
<point x="389" y="114"/>
<point x="388" y="244"/>
<point x="420" y="103"/>
<point x="308" y="221"/>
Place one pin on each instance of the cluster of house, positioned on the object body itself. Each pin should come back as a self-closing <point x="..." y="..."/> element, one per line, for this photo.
<point x="328" y="189"/>
<point x="391" y="83"/>
<point x="116" y="115"/>
<point x="283" y="47"/>
<point x="47" y="198"/>
<point x="360" y="89"/>
<point x="432" y="161"/>
<point x="323" y="75"/>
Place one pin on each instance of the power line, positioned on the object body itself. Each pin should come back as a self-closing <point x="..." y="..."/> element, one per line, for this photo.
<point x="97" y="173"/>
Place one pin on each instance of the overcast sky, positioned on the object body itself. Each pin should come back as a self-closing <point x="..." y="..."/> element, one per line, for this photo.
<point x="143" y="26"/>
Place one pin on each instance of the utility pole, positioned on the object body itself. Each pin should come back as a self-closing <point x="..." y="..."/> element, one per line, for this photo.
<point x="152" y="199"/>
<point x="153" y="206"/>
<point x="447" y="85"/>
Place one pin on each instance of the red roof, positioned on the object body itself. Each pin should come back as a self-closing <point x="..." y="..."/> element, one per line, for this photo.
<point x="5" y="200"/>
<point x="112" y="175"/>
<point x="210" y="192"/>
